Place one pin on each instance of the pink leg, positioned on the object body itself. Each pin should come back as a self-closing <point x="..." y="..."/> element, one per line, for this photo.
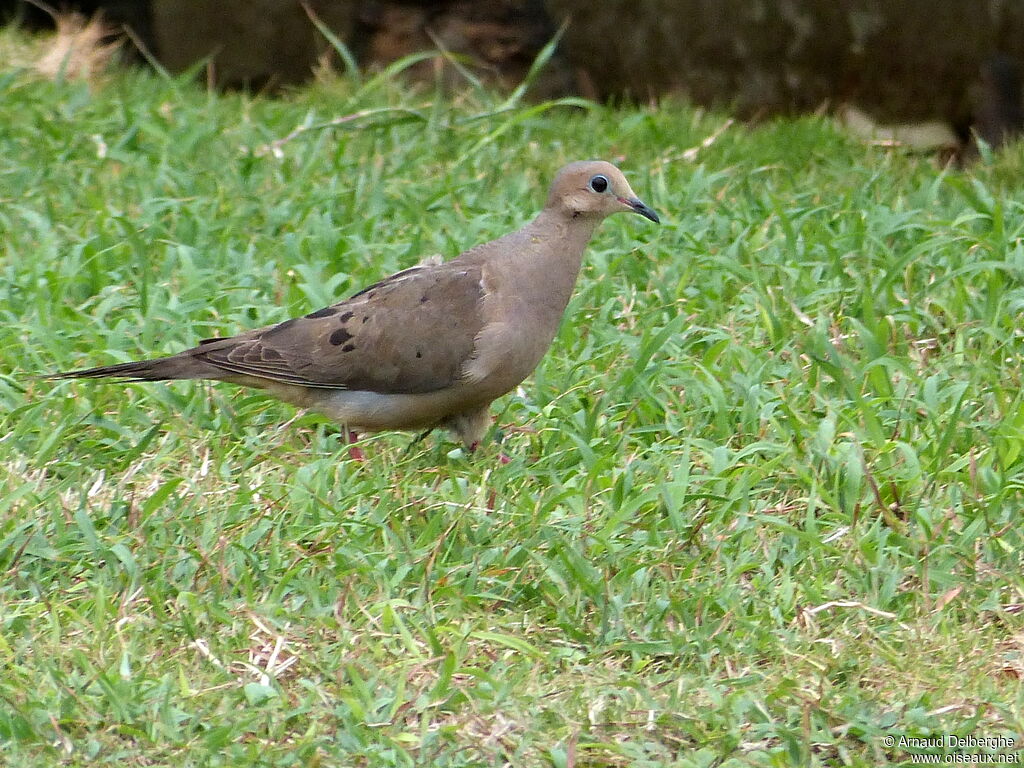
<point x="354" y="451"/>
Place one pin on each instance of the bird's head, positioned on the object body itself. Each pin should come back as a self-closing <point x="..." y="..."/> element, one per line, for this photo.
<point x="595" y="189"/>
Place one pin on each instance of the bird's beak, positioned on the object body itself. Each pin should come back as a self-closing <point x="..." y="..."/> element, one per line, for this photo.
<point x="639" y="206"/>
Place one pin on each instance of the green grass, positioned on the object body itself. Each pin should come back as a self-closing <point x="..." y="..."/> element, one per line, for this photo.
<point x="764" y="494"/>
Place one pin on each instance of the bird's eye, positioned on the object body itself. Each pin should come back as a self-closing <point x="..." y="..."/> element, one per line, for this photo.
<point x="599" y="183"/>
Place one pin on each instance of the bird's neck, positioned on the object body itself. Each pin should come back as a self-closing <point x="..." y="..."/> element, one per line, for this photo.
<point x="570" y="232"/>
<point x="555" y="243"/>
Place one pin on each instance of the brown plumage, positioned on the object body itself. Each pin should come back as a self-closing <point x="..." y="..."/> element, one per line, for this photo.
<point x="431" y="346"/>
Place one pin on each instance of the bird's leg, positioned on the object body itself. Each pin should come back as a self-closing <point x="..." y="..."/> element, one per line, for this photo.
<point x="350" y="438"/>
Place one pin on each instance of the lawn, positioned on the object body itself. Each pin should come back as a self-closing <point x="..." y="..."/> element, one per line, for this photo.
<point x="763" y="499"/>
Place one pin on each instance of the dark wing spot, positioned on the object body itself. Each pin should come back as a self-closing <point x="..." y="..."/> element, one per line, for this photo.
<point x="418" y="353"/>
<point x="423" y="299"/>
<point x="325" y="312"/>
<point x="340" y="336"/>
<point x="348" y="347"/>
<point x="346" y="317"/>
<point x="365" y="318"/>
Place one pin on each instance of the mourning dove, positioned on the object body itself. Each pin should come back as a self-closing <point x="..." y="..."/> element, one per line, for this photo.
<point x="430" y="346"/>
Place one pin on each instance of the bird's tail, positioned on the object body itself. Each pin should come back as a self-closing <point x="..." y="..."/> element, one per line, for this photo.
<point x="158" y="369"/>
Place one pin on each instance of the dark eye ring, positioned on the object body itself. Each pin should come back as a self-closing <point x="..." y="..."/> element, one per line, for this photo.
<point x="599" y="183"/>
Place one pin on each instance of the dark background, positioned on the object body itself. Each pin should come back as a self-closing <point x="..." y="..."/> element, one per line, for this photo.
<point x="953" y="60"/>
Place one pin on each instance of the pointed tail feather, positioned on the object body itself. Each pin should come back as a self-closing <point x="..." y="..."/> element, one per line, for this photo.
<point x="159" y="369"/>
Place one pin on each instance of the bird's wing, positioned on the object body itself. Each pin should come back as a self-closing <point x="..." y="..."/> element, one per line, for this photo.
<point x="410" y="333"/>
